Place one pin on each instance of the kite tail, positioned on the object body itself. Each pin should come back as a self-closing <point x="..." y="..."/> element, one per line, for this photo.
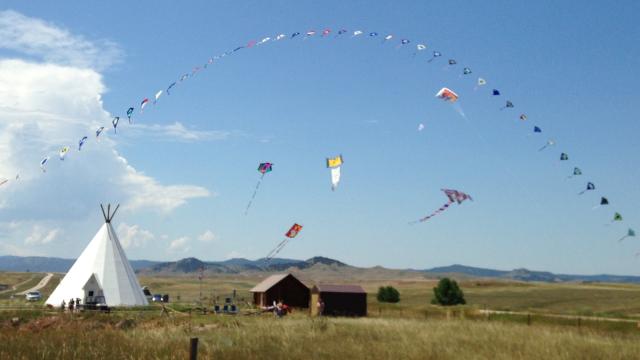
<point x="582" y="192"/>
<point x="542" y="148"/>
<point x="441" y="209"/>
<point x="276" y="250"/>
<point x="246" y="211"/>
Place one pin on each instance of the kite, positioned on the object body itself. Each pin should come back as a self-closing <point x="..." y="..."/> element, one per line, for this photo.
<point x="420" y="127"/>
<point x="170" y="86"/>
<point x="576" y="171"/>
<point x="495" y="92"/>
<point x="454" y="196"/>
<point x="129" y="112"/>
<point x="43" y="162"/>
<point x="508" y="105"/>
<point x="630" y="233"/>
<point x="280" y="37"/>
<point x="405" y="41"/>
<point x="617" y="217"/>
<point x="342" y="31"/>
<point x="452" y="62"/>
<point x="143" y="104"/>
<point x="326" y="32"/>
<point x="186" y="76"/>
<point x="357" y="32"/>
<point x="295" y="34"/>
<point x="115" y="124"/>
<point x="419" y="47"/>
<point x="550" y="142"/>
<point x="436" y="54"/>
<point x="3" y="181"/>
<point x="537" y="129"/>
<point x="252" y="43"/>
<point x="523" y="117"/>
<point x="604" y="201"/>
<point x="63" y="152"/>
<point x="263" y="168"/>
<point x="310" y="33"/>
<point x="99" y="131"/>
<point x="482" y="82"/>
<point x="388" y="37"/>
<point x="373" y="33"/>
<point x="334" y="164"/>
<point x="264" y="40"/>
<point x="81" y="142"/>
<point x="466" y="71"/>
<point x="447" y="95"/>
<point x="563" y="157"/>
<point x="590" y="186"/>
<point x="157" y="96"/>
<point x="292" y="233"/>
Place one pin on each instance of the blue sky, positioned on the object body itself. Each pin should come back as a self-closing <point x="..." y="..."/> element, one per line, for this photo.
<point x="191" y="159"/>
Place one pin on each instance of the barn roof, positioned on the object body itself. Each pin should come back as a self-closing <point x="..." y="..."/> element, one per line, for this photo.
<point x="267" y="283"/>
<point x="357" y="289"/>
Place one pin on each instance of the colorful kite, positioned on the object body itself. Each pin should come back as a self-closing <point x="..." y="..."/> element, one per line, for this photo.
<point x="550" y="142"/>
<point x="292" y="233"/>
<point x="334" y="164"/>
<point x="630" y="233"/>
<point x="99" y="131"/>
<point x="143" y="104"/>
<point x="157" y="96"/>
<point x="454" y="196"/>
<point x="452" y="62"/>
<point x="508" y="105"/>
<point x="326" y="32"/>
<point x="114" y="122"/>
<point x="129" y="112"/>
<point x="43" y="162"/>
<point x="447" y="95"/>
<point x="170" y="86"/>
<point x="420" y="127"/>
<point x="523" y="117"/>
<point x="81" y="142"/>
<point x="564" y="157"/>
<point x="617" y="217"/>
<point x="436" y="54"/>
<point x="482" y="82"/>
<point x="576" y="171"/>
<point x="63" y="152"/>
<point x="357" y="32"/>
<point x="537" y="129"/>
<point x="466" y="71"/>
<point x="263" y="168"/>
<point x="495" y="92"/>
<point x="590" y="186"/>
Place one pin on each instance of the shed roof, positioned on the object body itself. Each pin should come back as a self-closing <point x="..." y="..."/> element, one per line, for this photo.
<point x="267" y="283"/>
<point x="356" y="289"/>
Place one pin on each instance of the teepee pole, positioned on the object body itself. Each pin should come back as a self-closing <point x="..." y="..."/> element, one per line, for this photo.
<point x="103" y="214"/>
<point x="114" y="211"/>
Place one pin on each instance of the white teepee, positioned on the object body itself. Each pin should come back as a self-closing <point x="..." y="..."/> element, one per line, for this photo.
<point x="102" y="274"/>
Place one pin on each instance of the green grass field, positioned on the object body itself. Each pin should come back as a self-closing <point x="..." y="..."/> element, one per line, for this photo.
<point x="411" y="329"/>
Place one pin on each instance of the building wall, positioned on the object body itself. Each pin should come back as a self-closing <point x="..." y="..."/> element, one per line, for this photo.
<point x="344" y="304"/>
<point x="291" y="291"/>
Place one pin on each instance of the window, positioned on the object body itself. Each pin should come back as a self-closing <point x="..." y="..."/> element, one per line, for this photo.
<point x="91" y="293"/>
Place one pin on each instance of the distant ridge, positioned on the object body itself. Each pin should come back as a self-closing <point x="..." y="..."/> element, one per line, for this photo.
<point x="322" y="266"/>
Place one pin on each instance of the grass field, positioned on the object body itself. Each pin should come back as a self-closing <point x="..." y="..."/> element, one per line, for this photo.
<point x="411" y="329"/>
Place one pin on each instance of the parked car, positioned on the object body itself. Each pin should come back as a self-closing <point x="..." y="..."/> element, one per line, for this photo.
<point x="33" y="296"/>
<point x="157" y="298"/>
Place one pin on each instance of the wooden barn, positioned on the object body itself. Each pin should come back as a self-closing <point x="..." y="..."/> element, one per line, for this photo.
<point x="339" y="300"/>
<point x="285" y="287"/>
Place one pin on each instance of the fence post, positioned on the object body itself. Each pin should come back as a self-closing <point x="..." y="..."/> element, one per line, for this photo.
<point x="193" y="351"/>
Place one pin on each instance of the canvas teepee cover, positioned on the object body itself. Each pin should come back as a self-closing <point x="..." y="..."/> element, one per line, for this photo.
<point x="105" y="260"/>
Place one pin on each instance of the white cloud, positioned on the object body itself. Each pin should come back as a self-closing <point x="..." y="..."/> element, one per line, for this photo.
<point x="180" y="245"/>
<point x="133" y="236"/>
<point x="40" y="236"/>
<point x="176" y="131"/>
<point x="207" y="236"/>
<point x="54" y="44"/>
<point x="145" y="192"/>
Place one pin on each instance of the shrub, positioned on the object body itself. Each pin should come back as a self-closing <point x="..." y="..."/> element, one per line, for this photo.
<point x="447" y="293"/>
<point x="388" y="294"/>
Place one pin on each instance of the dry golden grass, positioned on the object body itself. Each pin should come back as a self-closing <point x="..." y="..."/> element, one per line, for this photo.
<point x="300" y="337"/>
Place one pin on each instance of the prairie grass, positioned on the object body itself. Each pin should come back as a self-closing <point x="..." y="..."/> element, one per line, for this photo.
<point x="300" y="337"/>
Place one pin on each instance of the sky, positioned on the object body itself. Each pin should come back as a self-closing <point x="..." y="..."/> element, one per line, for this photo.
<point x="184" y="170"/>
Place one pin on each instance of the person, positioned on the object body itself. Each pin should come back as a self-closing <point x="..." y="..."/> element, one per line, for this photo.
<point x="77" y="304"/>
<point x="71" y="303"/>
<point x="320" y="306"/>
<point x="62" y="306"/>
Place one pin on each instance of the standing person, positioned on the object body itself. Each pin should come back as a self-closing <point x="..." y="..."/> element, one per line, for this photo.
<point x="62" y="306"/>
<point x="78" y="304"/>
<point x="71" y="303"/>
<point x="320" y="307"/>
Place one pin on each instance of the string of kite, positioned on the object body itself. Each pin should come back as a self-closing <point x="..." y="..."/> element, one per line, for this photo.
<point x="419" y="48"/>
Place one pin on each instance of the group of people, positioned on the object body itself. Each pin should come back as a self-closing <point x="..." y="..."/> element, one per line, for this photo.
<point x="74" y="304"/>
<point x="279" y="308"/>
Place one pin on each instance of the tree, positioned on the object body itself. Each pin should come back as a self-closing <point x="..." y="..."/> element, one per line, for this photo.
<point x="447" y="293"/>
<point x="388" y="294"/>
